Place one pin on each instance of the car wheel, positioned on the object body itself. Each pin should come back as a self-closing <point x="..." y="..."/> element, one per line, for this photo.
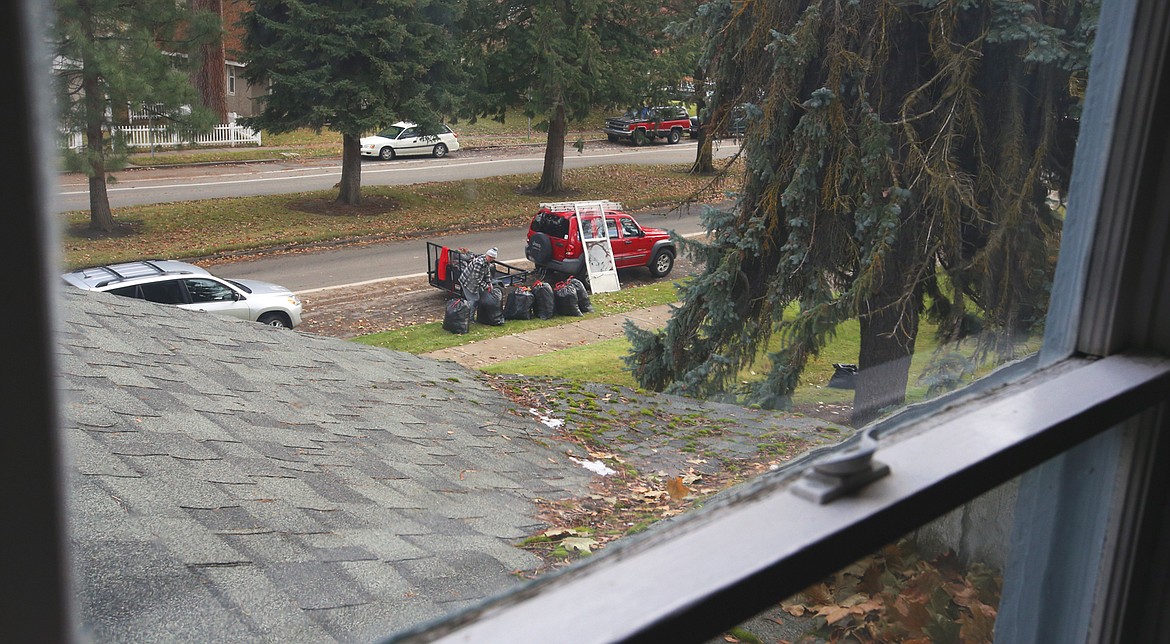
<point x="440" y="151"/>
<point x="612" y="138"/>
<point x="278" y="320"/>
<point x="386" y="153"/>
<point x="675" y="135"/>
<point x="539" y="249"/>
<point x="662" y="263"/>
<point x="639" y="137"/>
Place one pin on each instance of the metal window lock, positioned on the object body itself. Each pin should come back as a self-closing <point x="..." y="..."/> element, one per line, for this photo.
<point x="841" y="473"/>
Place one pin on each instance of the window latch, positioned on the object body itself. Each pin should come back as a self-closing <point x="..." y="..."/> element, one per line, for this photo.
<point x="842" y="473"/>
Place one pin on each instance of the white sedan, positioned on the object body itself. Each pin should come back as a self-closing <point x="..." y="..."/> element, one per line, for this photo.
<point x="403" y="139"/>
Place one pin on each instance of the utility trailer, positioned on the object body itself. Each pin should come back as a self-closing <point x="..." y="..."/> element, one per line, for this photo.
<point x="444" y="265"/>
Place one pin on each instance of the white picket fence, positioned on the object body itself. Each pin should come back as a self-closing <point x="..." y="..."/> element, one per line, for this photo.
<point x="144" y="136"/>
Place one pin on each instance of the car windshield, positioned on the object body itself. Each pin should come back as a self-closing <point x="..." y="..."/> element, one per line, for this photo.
<point x="391" y="132"/>
<point x="240" y="286"/>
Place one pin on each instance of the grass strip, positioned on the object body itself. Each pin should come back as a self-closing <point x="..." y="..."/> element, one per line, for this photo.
<point x="425" y="338"/>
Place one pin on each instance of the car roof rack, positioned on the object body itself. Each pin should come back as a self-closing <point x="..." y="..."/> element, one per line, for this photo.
<point x="119" y="272"/>
<point x="571" y="206"/>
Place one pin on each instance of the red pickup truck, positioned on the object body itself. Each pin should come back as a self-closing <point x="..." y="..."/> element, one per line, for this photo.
<point x="642" y="125"/>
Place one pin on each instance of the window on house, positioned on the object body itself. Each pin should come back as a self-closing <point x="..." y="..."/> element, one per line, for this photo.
<point x="231" y="80"/>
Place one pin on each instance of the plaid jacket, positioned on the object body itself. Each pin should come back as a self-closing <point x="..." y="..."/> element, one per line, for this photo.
<point x="476" y="276"/>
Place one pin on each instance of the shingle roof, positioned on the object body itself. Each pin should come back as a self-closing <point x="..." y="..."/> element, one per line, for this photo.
<point x="230" y="481"/>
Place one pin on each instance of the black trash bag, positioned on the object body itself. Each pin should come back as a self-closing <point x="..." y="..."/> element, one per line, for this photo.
<point x="844" y="376"/>
<point x="566" y="300"/>
<point x="583" y="302"/>
<point x="458" y="316"/>
<point x="543" y="300"/>
<point x="519" y="304"/>
<point x="490" y="311"/>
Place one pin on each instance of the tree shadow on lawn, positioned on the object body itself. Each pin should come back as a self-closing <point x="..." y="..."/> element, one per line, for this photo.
<point x="122" y="229"/>
<point x="371" y="205"/>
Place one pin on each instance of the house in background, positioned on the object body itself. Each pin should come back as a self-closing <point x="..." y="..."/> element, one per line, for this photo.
<point x="240" y="97"/>
<point x="219" y="78"/>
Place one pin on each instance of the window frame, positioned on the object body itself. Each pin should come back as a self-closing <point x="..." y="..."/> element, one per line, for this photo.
<point x="1127" y="240"/>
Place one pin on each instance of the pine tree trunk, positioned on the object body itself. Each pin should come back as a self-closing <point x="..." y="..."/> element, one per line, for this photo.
<point x="101" y="218"/>
<point x="888" y="332"/>
<point x="704" y="161"/>
<point x="552" y="179"/>
<point x="350" y="187"/>
<point x="208" y="76"/>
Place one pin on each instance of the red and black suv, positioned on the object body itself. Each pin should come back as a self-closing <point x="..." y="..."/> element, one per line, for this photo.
<point x="639" y="126"/>
<point x="554" y="241"/>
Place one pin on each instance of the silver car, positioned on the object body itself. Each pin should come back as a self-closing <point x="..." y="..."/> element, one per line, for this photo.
<point x="190" y="287"/>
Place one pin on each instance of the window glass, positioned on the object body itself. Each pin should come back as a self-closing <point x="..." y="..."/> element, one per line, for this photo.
<point x="593" y="228"/>
<point x="800" y="389"/>
<point x="164" y="292"/>
<point x="551" y="224"/>
<point x="206" y="290"/>
<point x="128" y="291"/>
<point x="940" y="583"/>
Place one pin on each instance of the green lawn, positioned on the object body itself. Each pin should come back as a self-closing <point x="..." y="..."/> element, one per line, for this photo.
<point x="602" y="362"/>
<point x="424" y="338"/>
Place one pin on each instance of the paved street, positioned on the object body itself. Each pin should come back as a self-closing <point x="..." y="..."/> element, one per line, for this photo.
<point x="143" y="186"/>
<point x="354" y="265"/>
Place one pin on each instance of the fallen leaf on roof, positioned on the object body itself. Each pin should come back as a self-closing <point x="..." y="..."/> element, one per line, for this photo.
<point x="676" y="488"/>
<point x="582" y="544"/>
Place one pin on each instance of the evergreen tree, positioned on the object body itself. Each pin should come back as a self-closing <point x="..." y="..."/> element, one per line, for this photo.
<point x="898" y="154"/>
<point x="558" y="59"/>
<point x="351" y="66"/>
<point x="118" y="55"/>
<point x="690" y="39"/>
<point x="209" y="68"/>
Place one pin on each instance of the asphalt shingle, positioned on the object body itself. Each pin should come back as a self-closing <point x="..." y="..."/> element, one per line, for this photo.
<point x="233" y="482"/>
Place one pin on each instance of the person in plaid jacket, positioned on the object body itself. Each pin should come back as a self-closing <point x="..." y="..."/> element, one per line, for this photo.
<point x="476" y="278"/>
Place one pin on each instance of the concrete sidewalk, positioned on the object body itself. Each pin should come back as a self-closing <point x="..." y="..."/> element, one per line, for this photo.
<point x="546" y="340"/>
